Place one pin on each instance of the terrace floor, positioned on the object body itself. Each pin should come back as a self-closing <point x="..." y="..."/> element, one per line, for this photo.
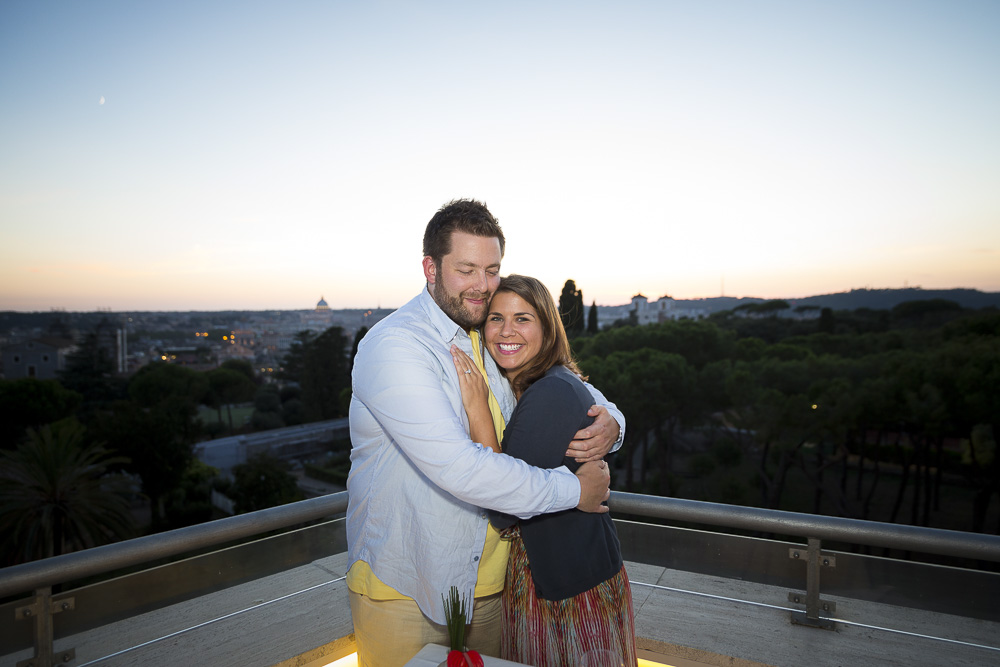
<point x="301" y="618"/>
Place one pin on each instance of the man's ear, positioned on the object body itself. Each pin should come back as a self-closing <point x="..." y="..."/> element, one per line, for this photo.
<point x="430" y="270"/>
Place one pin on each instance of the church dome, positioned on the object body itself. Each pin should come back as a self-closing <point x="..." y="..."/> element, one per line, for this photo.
<point x="322" y="305"/>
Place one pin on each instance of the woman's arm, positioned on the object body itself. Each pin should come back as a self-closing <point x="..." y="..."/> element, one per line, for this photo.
<point x="475" y="399"/>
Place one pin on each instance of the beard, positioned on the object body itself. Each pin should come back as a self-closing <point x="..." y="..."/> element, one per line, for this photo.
<point x="454" y="306"/>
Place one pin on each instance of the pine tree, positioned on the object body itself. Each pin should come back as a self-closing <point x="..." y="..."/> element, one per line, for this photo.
<point x="571" y="308"/>
<point x="592" y="319"/>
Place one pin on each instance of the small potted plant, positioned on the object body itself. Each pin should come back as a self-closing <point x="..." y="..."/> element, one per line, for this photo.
<point x="454" y="616"/>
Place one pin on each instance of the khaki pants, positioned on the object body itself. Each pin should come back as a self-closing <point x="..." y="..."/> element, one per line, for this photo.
<point x="390" y="632"/>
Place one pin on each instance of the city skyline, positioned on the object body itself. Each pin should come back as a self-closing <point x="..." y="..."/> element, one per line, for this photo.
<point x="209" y="156"/>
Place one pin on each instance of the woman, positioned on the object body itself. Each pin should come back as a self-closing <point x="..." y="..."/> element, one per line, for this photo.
<point x="567" y="592"/>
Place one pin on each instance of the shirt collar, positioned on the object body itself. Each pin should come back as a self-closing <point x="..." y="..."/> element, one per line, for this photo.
<point x="444" y="325"/>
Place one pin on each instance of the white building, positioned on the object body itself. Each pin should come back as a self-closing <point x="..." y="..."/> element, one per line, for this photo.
<point x="661" y="310"/>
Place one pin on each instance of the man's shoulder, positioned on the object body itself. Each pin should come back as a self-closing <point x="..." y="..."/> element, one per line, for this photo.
<point x="404" y="318"/>
<point x="406" y="331"/>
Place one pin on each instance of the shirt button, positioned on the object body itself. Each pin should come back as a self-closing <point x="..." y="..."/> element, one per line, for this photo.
<point x="483" y="515"/>
<point x="475" y="559"/>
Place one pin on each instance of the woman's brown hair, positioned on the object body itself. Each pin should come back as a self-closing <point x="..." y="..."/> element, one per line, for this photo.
<point x="555" y="344"/>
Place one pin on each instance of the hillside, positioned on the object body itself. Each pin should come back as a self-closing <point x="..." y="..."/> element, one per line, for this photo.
<point x="874" y="299"/>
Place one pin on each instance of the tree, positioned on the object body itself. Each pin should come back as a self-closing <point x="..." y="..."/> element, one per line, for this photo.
<point x="766" y="309"/>
<point x="655" y="390"/>
<point x="157" y="428"/>
<point x="294" y="363"/>
<point x="320" y="365"/>
<point x="156" y="382"/>
<point x="190" y="502"/>
<point x="262" y="482"/>
<point x="227" y="386"/>
<point x="592" y="319"/>
<point x="827" y="322"/>
<point x="983" y="468"/>
<point x="772" y="419"/>
<point x="571" y="308"/>
<point x="90" y="371"/>
<point x="158" y="441"/>
<point x="267" y="408"/>
<point x="30" y="403"/>
<point x="56" y="495"/>
<point x="241" y="366"/>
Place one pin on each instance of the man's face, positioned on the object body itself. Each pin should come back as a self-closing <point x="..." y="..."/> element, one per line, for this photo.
<point x="464" y="282"/>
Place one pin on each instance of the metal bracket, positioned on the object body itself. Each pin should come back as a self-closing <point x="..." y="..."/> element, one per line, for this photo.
<point x="815" y="560"/>
<point x="41" y="611"/>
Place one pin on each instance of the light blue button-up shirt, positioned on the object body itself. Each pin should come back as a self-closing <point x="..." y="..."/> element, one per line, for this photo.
<point x="418" y="484"/>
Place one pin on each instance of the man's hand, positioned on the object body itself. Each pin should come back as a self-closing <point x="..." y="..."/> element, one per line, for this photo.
<point x="595" y="441"/>
<point x="595" y="480"/>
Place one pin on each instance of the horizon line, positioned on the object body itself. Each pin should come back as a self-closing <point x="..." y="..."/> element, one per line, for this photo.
<point x="108" y="310"/>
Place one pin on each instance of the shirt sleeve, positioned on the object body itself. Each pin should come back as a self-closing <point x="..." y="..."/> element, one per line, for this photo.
<point x="613" y="410"/>
<point x="396" y="380"/>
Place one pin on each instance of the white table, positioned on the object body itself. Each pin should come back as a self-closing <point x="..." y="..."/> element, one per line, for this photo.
<point x="433" y="655"/>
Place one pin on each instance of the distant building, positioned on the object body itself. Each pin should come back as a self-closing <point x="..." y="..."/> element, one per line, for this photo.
<point x="659" y="311"/>
<point x="320" y="319"/>
<point x="42" y="358"/>
<point x="277" y="343"/>
<point x="197" y="358"/>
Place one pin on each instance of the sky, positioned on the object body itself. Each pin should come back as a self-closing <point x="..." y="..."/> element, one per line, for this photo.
<point x="259" y="155"/>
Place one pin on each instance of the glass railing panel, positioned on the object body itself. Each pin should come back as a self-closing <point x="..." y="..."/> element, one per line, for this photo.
<point x="283" y="596"/>
<point x="946" y="589"/>
<point x="933" y="602"/>
<point x="114" y="616"/>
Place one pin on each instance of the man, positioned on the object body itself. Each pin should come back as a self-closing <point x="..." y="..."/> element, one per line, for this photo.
<point x="418" y="485"/>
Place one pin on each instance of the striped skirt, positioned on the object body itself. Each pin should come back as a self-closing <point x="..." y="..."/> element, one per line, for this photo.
<point x="547" y="633"/>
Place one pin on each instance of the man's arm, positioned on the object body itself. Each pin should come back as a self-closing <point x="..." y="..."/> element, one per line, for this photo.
<point x="604" y="435"/>
<point x="400" y="384"/>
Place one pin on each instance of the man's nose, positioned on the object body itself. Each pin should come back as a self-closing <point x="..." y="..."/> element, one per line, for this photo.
<point x="482" y="283"/>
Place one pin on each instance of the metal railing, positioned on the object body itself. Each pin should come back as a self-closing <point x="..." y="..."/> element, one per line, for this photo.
<point x="975" y="546"/>
<point x="39" y="577"/>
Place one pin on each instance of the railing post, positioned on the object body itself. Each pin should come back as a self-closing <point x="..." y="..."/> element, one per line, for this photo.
<point x="815" y="561"/>
<point x="43" y="636"/>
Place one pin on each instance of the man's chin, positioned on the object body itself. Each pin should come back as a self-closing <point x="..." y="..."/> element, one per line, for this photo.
<point x="476" y="316"/>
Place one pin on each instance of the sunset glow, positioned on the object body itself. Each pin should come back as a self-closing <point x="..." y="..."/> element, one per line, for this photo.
<point x="206" y="156"/>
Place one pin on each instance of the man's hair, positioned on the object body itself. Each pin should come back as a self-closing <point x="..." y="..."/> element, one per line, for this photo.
<point x="463" y="215"/>
<point x="555" y="349"/>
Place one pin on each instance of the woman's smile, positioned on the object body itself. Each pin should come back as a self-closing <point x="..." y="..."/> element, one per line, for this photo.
<point x="509" y="348"/>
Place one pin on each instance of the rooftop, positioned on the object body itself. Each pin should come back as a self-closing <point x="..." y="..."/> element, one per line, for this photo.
<point x="268" y="588"/>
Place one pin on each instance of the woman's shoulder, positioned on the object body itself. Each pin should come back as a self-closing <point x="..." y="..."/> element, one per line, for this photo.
<point x="559" y="383"/>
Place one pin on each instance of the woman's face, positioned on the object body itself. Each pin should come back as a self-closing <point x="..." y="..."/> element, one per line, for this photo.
<point x="513" y="332"/>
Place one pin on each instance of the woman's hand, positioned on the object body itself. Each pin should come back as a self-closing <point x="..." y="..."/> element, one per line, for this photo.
<point x="475" y="400"/>
<point x="475" y="391"/>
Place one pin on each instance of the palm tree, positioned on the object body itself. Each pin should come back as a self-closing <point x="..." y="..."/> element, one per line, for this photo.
<point x="56" y="495"/>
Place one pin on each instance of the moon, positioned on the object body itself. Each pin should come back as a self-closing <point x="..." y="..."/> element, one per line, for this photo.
<point x="101" y="101"/>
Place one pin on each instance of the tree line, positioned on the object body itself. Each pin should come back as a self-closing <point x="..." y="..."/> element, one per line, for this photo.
<point x="882" y="415"/>
<point x="77" y="451"/>
<point x="888" y="415"/>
